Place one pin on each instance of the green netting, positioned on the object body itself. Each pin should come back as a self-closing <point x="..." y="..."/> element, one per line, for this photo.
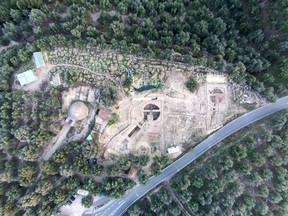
<point x="145" y="88"/>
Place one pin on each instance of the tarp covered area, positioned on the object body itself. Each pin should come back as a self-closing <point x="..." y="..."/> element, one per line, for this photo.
<point x="89" y="138"/>
<point x="26" y="77"/>
<point x="38" y="59"/>
<point x="144" y="88"/>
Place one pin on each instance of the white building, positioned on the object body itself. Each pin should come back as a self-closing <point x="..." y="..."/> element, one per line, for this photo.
<point x="173" y="150"/>
<point x="82" y="192"/>
<point x="26" y="77"/>
<point x="38" y="59"/>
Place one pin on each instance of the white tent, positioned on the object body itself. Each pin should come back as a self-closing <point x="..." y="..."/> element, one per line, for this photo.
<point x="26" y="77"/>
<point x="82" y="192"/>
<point x="173" y="150"/>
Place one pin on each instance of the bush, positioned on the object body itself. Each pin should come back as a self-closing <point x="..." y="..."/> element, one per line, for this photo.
<point x="4" y="42"/>
<point x="192" y="84"/>
<point x="114" y="119"/>
<point x="87" y="201"/>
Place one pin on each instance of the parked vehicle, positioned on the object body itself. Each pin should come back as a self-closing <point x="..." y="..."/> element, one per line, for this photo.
<point x="72" y="198"/>
<point x="75" y="194"/>
<point x="94" y="161"/>
<point x="88" y="161"/>
<point x="69" y="202"/>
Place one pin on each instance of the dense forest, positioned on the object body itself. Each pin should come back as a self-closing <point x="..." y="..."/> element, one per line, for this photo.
<point x="246" y="39"/>
<point x="246" y="176"/>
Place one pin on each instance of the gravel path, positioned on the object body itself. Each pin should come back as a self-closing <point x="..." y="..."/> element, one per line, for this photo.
<point x="50" y="149"/>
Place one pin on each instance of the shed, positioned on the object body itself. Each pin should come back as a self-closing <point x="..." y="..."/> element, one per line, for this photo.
<point x="82" y="192"/>
<point x="132" y="172"/>
<point x="173" y="150"/>
<point x="38" y="59"/>
<point x="26" y="77"/>
<point x="103" y="117"/>
<point x="104" y="114"/>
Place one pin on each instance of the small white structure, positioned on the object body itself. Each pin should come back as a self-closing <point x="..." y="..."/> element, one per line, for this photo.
<point x="26" y="77"/>
<point x="173" y="150"/>
<point x="82" y="192"/>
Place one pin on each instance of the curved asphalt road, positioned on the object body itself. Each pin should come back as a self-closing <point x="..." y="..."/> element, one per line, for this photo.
<point x="119" y="206"/>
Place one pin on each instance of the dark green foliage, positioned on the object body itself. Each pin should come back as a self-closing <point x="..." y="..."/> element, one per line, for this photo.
<point x="49" y="168"/>
<point x="115" y="187"/>
<point x="229" y="31"/>
<point x="246" y="39"/>
<point x="165" y="197"/>
<point x="159" y="163"/>
<point x="109" y="96"/>
<point x="143" y="178"/>
<point x="72" y="76"/>
<point x="134" y="211"/>
<point x="238" y="152"/>
<point x="143" y="160"/>
<point x="87" y="201"/>
<point x="98" y="170"/>
<point x="192" y="84"/>
<point x="15" y="192"/>
<point x="114" y="119"/>
<point x="240" y="179"/>
<point x="127" y="82"/>
<point x="27" y="174"/>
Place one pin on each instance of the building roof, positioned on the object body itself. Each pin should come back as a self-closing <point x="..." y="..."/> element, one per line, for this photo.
<point x="82" y="192"/>
<point x="89" y="137"/>
<point x="104" y="114"/>
<point x="38" y="59"/>
<point x="78" y="111"/>
<point x="26" y="77"/>
<point x="173" y="150"/>
<point x="132" y="172"/>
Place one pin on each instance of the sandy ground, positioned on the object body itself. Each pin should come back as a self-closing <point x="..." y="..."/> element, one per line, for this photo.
<point x="42" y="75"/>
<point x="76" y="209"/>
<point x="95" y="16"/>
<point x="184" y="116"/>
<point x="213" y="78"/>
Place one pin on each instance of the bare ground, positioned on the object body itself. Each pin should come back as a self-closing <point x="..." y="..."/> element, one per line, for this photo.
<point x="184" y="116"/>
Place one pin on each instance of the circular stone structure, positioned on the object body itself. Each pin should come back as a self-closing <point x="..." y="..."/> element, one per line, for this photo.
<point x="78" y="111"/>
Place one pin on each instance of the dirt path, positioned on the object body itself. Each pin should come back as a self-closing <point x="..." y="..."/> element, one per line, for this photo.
<point x="12" y="43"/>
<point x="51" y="148"/>
<point x="169" y="189"/>
<point x="122" y="90"/>
<point x="57" y="141"/>
<point x="43" y="76"/>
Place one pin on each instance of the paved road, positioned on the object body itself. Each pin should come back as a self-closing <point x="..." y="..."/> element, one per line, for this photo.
<point x="119" y="206"/>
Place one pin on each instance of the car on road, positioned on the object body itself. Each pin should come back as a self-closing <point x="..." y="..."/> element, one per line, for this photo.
<point x="94" y="161"/>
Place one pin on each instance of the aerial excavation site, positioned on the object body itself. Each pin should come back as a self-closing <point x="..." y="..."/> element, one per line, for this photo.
<point x="143" y="107"/>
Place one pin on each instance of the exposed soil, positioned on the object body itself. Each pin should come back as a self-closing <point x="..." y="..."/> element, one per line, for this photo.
<point x="175" y="117"/>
